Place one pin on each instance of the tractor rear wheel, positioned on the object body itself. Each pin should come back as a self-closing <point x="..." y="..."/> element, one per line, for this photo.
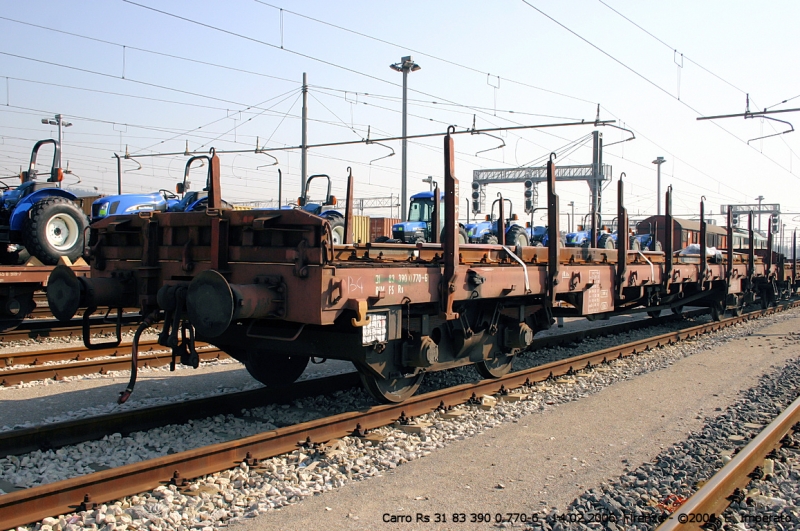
<point x="605" y="242"/>
<point x="55" y="228"/>
<point x="337" y="229"/>
<point x="516" y="235"/>
<point x="462" y="236"/>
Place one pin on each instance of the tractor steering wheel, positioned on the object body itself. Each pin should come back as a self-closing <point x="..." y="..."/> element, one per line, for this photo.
<point x="4" y="186"/>
<point x="167" y="194"/>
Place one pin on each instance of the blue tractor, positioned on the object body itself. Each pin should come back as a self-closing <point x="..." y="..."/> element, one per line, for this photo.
<point x="487" y="231"/>
<point x="40" y="216"/>
<point x="162" y="201"/>
<point x="326" y="209"/>
<point x="418" y="228"/>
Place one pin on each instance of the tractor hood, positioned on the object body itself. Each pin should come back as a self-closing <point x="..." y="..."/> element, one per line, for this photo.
<point x="127" y="203"/>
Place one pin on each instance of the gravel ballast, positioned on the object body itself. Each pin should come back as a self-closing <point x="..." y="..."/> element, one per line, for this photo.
<point x="243" y="493"/>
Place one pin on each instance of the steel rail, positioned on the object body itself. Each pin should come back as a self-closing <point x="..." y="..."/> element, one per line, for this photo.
<point x="97" y="366"/>
<point x="43" y="312"/>
<point x="40" y="328"/>
<point x="712" y="498"/>
<point x="121" y="353"/>
<point x="30" y="505"/>
<point x="58" y="434"/>
<point x="73" y="353"/>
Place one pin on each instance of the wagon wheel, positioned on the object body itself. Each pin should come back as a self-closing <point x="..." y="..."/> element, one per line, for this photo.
<point x="275" y="370"/>
<point x="495" y="367"/>
<point x="677" y="310"/>
<point x="390" y="390"/>
<point x="270" y="368"/>
<point x="717" y="309"/>
<point x="736" y="311"/>
<point x="764" y="299"/>
<point x="16" y="311"/>
<point x="654" y="313"/>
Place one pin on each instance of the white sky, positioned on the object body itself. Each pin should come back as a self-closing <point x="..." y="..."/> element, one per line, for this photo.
<point x="546" y="74"/>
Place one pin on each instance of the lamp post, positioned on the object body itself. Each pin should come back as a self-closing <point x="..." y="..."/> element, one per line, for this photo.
<point x="658" y="162"/>
<point x="61" y="125"/>
<point x="405" y="66"/>
<point x="759" y="199"/>
<point x="572" y="217"/>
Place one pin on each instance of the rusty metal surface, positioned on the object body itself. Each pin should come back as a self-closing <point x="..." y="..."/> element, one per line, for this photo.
<point x="712" y="497"/>
<point x="35" y="274"/>
<point x="450" y="247"/>
<point x="23" y="507"/>
<point x="356" y="272"/>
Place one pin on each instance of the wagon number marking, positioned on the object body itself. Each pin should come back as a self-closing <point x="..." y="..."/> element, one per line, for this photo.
<point x="394" y="284"/>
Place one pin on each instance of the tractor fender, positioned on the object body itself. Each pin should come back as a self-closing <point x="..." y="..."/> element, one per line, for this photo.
<point x="20" y="213"/>
<point x="331" y="214"/>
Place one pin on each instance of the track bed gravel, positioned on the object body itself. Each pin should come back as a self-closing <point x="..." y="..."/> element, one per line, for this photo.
<point x="551" y="457"/>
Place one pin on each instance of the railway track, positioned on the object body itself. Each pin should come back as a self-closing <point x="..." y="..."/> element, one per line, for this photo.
<point x="55" y="435"/>
<point x="42" y="311"/>
<point x="81" y="492"/>
<point x="43" y="364"/>
<point x="704" y="508"/>
<point x="99" y="366"/>
<point x="43" y="328"/>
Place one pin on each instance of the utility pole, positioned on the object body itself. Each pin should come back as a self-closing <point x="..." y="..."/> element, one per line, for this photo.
<point x="61" y="125"/>
<point x="304" y="143"/>
<point x="572" y="218"/>
<point x="658" y="162"/>
<point x="759" y="199"/>
<point x="405" y="66"/>
<point x="596" y="185"/>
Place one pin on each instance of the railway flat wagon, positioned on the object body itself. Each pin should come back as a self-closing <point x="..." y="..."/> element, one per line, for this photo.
<point x="273" y="290"/>
<point x="18" y="283"/>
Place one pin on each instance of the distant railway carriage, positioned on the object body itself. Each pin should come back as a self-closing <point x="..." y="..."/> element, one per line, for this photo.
<point x="741" y="240"/>
<point x="685" y="232"/>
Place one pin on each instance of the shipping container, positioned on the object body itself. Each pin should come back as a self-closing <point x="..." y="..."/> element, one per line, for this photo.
<point x="381" y="227"/>
<point x="361" y="229"/>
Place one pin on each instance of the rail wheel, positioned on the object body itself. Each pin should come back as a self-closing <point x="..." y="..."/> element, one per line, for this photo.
<point x="764" y="299"/>
<point x="717" y="309"/>
<point x="495" y="367"/>
<point x="654" y="313"/>
<point x="677" y="310"/>
<point x="390" y="390"/>
<point x="736" y="311"/>
<point x="270" y="368"/>
<point x="15" y="310"/>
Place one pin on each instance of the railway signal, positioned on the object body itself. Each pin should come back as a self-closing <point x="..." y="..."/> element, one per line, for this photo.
<point x="476" y="197"/>
<point x="529" y="196"/>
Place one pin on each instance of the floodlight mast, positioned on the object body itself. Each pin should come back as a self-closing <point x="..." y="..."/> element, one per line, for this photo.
<point x="405" y="66"/>
<point x="61" y="125"/>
